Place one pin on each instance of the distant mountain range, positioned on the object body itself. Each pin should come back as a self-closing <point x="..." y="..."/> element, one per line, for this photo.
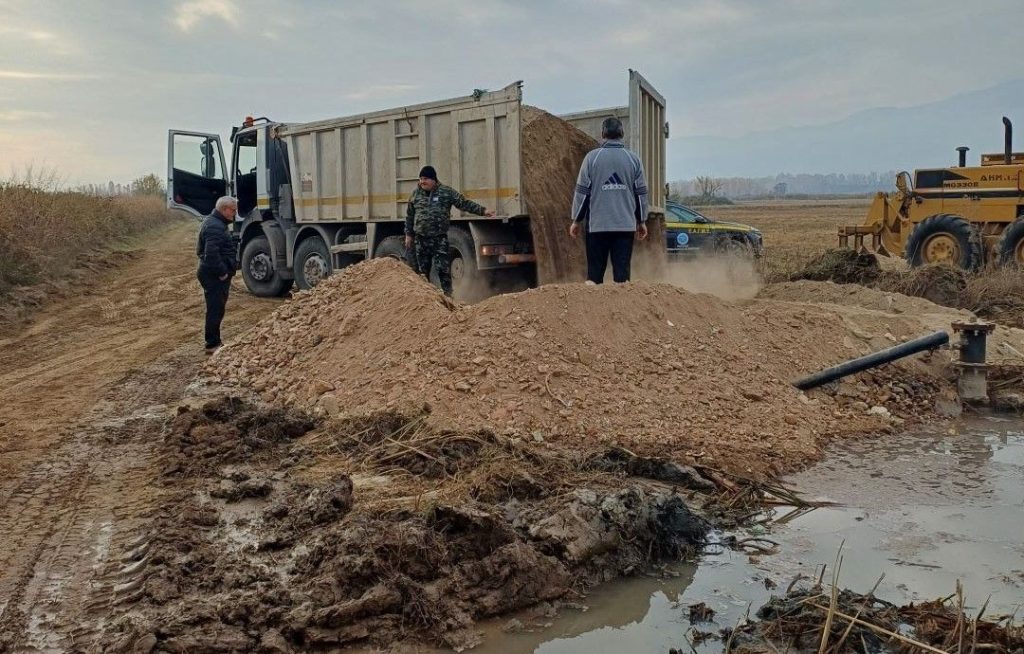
<point x="872" y="140"/>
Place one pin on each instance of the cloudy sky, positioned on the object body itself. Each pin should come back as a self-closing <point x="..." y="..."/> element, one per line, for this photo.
<point x="90" y="88"/>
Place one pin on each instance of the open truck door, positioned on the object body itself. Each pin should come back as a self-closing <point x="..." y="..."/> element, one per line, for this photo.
<point x="196" y="175"/>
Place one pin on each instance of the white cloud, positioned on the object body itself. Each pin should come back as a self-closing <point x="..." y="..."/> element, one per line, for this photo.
<point x="191" y="13"/>
<point x="23" y="115"/>
<point x="30" y="75"/>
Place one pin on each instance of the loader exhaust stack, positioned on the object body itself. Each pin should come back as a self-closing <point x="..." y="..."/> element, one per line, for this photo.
<point x="963" y="155"/>
<point x="1008" y="141"/>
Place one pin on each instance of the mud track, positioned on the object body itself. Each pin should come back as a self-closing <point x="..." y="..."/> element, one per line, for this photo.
<point x="84" y="391"/>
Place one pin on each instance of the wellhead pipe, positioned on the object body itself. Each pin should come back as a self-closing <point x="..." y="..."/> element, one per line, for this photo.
<point x="893" y="353"/>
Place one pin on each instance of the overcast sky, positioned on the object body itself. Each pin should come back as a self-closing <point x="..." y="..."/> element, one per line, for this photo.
<point x="91" y="88"/>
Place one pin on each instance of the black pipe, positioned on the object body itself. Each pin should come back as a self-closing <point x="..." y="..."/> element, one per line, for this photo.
<point x="963" y="155"/>
<point x="852" y="366"/>
<point x="1008" y="141"/>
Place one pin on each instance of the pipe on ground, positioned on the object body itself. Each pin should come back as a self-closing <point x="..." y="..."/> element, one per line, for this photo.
<point x="872" y="360"/>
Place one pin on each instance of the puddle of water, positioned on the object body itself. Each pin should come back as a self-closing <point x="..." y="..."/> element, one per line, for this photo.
<point x="925" y="509"/>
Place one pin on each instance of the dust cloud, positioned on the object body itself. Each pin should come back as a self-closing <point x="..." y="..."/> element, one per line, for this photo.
<point x="730" y="278"/>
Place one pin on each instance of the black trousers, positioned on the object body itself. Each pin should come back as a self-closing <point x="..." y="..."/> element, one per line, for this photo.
<point x="604" y="245"/>
<point x="215" y="292"/>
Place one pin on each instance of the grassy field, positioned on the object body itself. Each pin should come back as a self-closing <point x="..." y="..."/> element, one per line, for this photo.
<point x="43" y="232"/>
<point x="795" y="231"/>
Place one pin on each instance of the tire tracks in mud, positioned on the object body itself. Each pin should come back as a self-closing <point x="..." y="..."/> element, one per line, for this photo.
<point x="84" y="393"/>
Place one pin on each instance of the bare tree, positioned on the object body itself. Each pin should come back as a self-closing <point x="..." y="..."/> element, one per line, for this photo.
<point x="708" y="187"/>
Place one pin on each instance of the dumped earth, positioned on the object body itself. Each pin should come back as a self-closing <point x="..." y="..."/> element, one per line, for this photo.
<point x="649" y="367"/>
<point x="577" y="365"/>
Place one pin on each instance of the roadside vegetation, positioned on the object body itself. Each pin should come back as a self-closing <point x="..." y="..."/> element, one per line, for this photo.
<point x="45" y="228"/>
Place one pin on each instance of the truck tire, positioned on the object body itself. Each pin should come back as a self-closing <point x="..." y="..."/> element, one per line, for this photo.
<point x="465" y="275"/>
<point x="258" y="271"/>
<point x="312" y="262"/>
<point x="1011" y="245"/>
<point x="945" y="238"/>
<point x="394" y="247"/>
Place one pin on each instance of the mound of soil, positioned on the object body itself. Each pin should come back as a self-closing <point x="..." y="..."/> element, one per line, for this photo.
<point x="650" y="367"/>
<point x="842" y="266"/>
<point x="857" y="296"/>
<point x="939" y="283"/>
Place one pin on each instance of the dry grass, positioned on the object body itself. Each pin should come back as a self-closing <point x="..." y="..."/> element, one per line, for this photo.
<point x="795" y="231"/>
<point x="43" y="229"/>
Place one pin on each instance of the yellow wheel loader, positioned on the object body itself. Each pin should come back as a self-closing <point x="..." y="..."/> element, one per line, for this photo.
<point x="963" y="215"/>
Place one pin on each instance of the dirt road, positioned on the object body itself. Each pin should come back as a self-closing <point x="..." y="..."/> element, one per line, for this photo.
<point x="84" y="390"/>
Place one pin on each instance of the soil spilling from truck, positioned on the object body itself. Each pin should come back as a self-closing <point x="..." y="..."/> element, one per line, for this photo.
<point x="649" y="367"/>
<point x="552" y="152"/>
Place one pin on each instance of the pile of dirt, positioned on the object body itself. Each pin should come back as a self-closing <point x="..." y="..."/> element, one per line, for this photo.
<point x="939" y="283"/>
<point x="856" y="295"/>
<point x="552" y="152"/>
<point x="650" y="367"/>
<point x="894" y="316"/>
<point x="841" y="266"/>
<point x="994" y="293"/>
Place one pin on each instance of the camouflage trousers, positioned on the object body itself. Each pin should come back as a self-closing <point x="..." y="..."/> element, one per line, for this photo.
<point x="432" y="251"/>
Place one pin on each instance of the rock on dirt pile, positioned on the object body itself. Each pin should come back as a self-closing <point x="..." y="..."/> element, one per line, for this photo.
<point x="650" y="367"/>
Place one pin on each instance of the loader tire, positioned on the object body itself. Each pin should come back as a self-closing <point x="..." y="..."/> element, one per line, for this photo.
<point x="1011" y="245"/>
<point x="258" y="272"/>
<point x="945" y="238"/>
<point x="312" y="262"/>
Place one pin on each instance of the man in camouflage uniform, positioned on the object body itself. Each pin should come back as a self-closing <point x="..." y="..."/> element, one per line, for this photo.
<point x="426" y="225"/>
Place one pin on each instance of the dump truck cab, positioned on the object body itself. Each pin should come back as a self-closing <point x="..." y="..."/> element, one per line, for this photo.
<point x="967" y="216"/>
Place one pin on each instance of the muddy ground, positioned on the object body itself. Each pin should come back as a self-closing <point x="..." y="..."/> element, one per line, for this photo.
<point x="141" y="511"/>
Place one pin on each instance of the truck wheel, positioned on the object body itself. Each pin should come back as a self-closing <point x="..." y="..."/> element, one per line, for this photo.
<point x="1011" y="244"/>
<point x="945" y="238"/>
<point x="312" y="262"/>
<point x="462" y="254"/>
<point x="394" y="247"/>
<point x="258" y="271"/>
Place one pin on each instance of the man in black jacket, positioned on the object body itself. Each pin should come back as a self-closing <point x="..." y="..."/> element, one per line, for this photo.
<point x="217" y="263"/>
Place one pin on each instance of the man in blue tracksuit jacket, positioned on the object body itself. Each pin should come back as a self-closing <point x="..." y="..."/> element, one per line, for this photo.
<point x="611" y="194"/>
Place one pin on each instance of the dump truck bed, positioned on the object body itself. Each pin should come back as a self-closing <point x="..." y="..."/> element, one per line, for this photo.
<point x="365" y="167"/>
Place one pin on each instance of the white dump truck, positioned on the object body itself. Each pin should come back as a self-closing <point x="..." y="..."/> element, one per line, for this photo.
<point x="315" y="197"/>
